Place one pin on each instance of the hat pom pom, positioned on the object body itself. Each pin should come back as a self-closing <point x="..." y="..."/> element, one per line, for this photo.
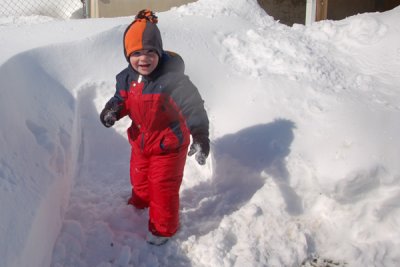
<point x="147" y="15"/>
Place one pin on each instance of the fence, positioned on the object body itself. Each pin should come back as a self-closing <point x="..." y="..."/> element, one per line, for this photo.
<point x="52" y="8"/>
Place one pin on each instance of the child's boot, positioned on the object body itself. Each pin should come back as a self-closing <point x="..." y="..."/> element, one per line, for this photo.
<point x="156" y="240"/>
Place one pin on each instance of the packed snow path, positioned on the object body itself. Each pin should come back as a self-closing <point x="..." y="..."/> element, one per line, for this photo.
<point x="100" y="229"/>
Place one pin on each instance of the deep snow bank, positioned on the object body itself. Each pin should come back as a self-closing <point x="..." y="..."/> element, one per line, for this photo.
<point x="36" y="168"/>
<point x="38" y="92"/>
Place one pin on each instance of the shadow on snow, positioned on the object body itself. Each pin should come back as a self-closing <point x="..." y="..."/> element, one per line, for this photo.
<point x="239" y="161"/>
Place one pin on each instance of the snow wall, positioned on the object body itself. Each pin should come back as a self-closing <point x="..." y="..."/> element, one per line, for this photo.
<point x="44" y="111"/>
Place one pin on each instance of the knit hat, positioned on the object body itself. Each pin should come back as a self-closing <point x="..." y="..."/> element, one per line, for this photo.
<point x="143" y="33"/>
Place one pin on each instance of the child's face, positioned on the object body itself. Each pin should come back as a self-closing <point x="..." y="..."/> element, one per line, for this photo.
<point x="144" y="61"/>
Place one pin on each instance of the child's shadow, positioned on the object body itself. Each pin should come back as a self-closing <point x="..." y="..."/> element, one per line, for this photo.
<point x="239" y="160"/>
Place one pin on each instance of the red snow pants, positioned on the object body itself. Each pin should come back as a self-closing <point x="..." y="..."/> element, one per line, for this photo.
<point x="156" y="180"/>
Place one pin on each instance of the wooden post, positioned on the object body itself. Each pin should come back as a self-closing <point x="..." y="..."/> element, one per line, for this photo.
<point x="93" y="9"/>
<point x="322" y="10"/>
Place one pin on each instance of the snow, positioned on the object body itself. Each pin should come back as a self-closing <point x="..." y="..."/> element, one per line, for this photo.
<point x="304" y="130"/>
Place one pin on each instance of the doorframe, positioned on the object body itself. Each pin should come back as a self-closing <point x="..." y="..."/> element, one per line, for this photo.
<point x="316" y="10"/>
<point x="310" y="11"/>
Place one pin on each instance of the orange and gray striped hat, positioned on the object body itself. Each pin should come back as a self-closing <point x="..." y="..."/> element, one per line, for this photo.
<point x="143" y="33"/>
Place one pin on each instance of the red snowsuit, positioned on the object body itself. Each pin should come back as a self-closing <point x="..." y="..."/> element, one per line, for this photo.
<point x="165" y="108"/>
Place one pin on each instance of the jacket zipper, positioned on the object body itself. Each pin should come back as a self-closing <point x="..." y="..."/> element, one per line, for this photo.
<point x="139" y="80"/>
<point x="142" y="143"/>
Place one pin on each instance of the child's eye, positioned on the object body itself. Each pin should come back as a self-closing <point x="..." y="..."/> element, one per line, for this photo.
<point x="150" y="52"/>
<point x="136" y="54"/>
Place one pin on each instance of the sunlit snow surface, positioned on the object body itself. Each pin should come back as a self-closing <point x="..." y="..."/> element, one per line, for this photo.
<point x="304" y="129"/>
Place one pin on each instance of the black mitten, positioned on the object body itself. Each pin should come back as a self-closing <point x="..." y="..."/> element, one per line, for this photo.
<point x="108" y="118"/>
<point x="200" y="147"/>
<point x="109" y="114"/>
